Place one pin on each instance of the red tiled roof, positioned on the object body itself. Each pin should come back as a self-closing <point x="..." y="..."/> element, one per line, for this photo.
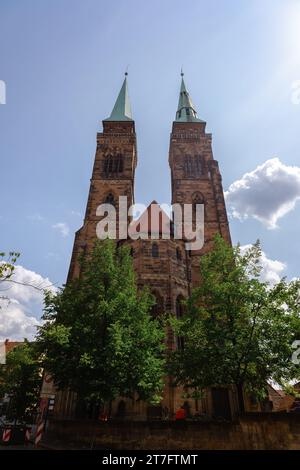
<point x="9" y="345"/>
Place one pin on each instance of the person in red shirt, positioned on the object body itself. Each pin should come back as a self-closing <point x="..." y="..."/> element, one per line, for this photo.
<point x="180" y="414"/>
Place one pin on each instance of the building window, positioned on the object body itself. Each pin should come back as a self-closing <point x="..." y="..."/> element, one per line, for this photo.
<point x="198" y="165"/>
<point x="188" y="166"/>
<point x="113" y="164"/>
<point x="178" y="254"/>
<point x="108" y="164"/>
<point x="110" y="199"/>
<point x="119" y="163"/>
<point x="193" y="166"/>
<point x="155" y="250"/>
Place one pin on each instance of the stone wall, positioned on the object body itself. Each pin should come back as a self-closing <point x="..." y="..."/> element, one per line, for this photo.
<point x="253" y="432"/>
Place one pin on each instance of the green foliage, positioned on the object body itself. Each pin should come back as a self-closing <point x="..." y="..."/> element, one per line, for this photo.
<point x="98" y="338"/>
<point x="289" y="389"/>
<point x="236" y="328"/>
<point x="21" y="378"/>
<point x="7" y="265"/>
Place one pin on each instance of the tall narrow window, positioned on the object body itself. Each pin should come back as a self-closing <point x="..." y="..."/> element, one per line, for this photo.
<point x="121" y="163"/>
<point x="188" y="166"/>
<point x="155" y="250"/>
<point x="113" y="165"/>
<point x="193" y="166"/>
<point x="118" y="163"/>
<point x="107" y="167"/>
<point x="198" y="165"/>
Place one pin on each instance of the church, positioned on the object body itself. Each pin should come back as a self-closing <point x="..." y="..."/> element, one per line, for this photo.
<point x="163" y="264"/>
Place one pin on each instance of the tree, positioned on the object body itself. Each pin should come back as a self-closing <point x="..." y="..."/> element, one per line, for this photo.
<point x="20" y="379"/>
<point x="7" y="267"/>
<point x="99" y="339"/>
<point x="237" y="329"/>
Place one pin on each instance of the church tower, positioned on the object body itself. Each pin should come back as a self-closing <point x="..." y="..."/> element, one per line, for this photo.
<point x="113" y="172"/>
<point x="195" y="175"/>
<point x="112" y="177"/>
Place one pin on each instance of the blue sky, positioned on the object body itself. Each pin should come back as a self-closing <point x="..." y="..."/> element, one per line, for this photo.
<point x="63" y="63"/>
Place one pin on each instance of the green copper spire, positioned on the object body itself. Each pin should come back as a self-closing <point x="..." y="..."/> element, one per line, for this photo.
<point x="186" y="111"/>
<point x="122" y="108"/>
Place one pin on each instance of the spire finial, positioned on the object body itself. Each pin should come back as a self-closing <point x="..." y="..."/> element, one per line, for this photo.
<point x="182" y="73"/>
<point x="126" y="70"/>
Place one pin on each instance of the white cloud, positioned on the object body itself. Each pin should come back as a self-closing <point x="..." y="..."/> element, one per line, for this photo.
<point x="266" y="193"/>
<point x="63" y="228"/>
<point x="272" y="270"/>
<point x="15" y="322"/>
<point x="20" y="313"/>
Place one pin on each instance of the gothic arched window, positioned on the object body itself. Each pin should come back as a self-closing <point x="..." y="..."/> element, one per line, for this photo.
<point x="193" y="166"/>
<point x="113" y="164"/>
<point x="155" y="250"/>
<point x="198" y="165"/>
